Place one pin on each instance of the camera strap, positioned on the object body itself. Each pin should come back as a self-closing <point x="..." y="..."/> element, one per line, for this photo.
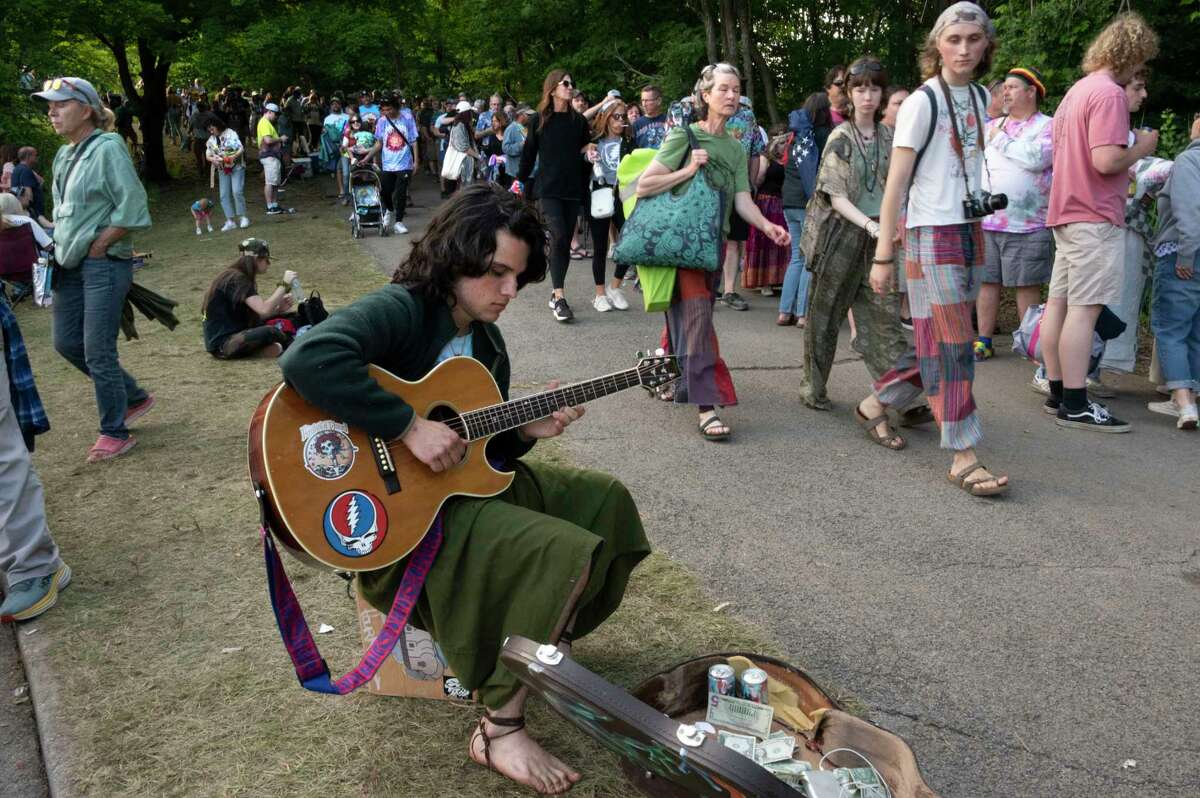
<point x="959" y="137"/>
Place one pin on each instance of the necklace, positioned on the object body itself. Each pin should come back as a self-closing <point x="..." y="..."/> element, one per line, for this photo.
<point x="860" y="140"/>
<point x="460" y="350"/>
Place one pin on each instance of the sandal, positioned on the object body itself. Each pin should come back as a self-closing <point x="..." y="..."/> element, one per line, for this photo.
<point x="514" y="725"/>
<point x="576" y="253"/>
<point x="714" y="420"/>
<point x="975" y="487"/>
<point x="889" y="441"/>
<point x="916" y="416"/>
<point x="786" y="319"/>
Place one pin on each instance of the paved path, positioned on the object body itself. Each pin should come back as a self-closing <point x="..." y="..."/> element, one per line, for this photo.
<point x="1026" y="646"/>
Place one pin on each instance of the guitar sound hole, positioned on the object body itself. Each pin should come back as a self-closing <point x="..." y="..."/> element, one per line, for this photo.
<point x="448" y="416"/>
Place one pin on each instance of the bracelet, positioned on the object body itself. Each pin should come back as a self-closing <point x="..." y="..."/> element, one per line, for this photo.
<point x="284" y="286"/>
<point x="884" y="261"/>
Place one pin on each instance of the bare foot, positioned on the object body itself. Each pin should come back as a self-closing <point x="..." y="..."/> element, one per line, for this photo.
<point x="517" y="756"/>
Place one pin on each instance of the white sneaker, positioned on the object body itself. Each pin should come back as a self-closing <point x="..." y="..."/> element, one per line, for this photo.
<point x="229" y="225"/>
<point x="1039" y="382"/>
<point x="400" y="228"/>
<point x="601" y="304"/>
<point x="198" y="232"/>
<point x="245" y="222"/>
<point x="616" y="298"/>
<point x="1187" y="417"/>
<point x="387" y="218"/>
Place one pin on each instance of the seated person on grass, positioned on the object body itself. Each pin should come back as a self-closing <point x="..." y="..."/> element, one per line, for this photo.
<point x="550" y="557"/>
<point x="235" y="315"/>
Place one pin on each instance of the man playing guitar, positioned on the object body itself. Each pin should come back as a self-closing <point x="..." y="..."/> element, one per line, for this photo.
<point x="551" y="556"/>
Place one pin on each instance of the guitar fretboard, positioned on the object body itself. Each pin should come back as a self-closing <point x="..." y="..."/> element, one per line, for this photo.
<point x="512" y="414"/>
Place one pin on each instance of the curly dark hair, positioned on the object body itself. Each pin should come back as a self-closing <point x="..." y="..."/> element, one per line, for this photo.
<point x="460" y="241"/>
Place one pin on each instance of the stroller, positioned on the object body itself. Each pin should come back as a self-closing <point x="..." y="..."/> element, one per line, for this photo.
<point x="365" y="190"/>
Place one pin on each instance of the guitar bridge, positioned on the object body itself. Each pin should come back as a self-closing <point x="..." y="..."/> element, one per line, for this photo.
<point x="387" y="468"/>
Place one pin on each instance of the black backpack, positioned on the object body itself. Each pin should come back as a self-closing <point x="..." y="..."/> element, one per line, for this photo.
<point x="312" y="310"/>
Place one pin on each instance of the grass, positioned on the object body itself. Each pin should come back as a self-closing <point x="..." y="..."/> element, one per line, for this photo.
<point x="172" y="678"/>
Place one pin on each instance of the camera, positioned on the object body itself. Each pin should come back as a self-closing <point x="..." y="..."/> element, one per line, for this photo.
<point x="980" y="203"/>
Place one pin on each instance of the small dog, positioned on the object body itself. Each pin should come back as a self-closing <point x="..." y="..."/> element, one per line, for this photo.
<point x="202" y="212"/>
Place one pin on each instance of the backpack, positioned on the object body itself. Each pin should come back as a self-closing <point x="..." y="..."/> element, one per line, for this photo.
<point x="927" y="90"/>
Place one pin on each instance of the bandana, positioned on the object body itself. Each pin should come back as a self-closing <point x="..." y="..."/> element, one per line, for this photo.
<point x="1031" y="77"/>
<point x="963" y="12"/>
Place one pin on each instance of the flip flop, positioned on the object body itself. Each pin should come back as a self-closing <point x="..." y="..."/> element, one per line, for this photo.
<point x="975" y="488"/>
<point x="576" y="253"/>
<point x="890" y="441"/>
<point x="713" y="420"/>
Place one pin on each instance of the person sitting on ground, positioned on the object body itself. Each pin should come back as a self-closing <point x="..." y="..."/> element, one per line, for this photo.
<point x="1175" y="307"/>
<point x="235" y="315"/>
<point x="550" y="557"/>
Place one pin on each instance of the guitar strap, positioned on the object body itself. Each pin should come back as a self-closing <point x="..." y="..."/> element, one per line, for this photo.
<point x="311" y="669"/>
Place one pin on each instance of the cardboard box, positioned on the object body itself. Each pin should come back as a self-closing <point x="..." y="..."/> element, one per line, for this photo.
<point x="416" y="668"/>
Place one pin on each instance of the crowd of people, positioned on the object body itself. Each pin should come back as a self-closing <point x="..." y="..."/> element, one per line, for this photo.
<point x="904" y="210"/>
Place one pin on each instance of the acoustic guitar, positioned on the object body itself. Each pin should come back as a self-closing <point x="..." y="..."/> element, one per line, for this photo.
<point x="338" y="497"/>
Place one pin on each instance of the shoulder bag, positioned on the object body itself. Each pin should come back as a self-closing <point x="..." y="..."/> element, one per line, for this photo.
<point x="683" y="231"/>
<point x="602" y="196"/>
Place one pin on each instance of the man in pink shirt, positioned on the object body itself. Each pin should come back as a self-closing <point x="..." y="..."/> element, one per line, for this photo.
<point x="1087" y="214"/>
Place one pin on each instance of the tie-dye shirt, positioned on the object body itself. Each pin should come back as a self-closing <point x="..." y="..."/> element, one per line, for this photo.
<point x="1020" y="160"/>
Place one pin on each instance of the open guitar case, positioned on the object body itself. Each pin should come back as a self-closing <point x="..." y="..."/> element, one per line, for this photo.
<point x="663" y="753"/>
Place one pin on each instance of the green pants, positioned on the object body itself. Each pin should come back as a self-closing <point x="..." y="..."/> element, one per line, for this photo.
<point x="840" y="284"/>
<point x="509" y="564"/>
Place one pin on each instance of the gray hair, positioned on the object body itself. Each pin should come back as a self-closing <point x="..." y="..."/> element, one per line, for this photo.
<point x="708" y="79"/>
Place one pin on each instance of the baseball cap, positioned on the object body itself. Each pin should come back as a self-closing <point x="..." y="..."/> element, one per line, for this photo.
<point x="463" y="105"/>
<point x="271" y="107"/>
<point x="255" y="246"/>
<point x="78" y="89"/>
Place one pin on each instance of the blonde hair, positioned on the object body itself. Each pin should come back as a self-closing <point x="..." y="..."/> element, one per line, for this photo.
<point x="708" y="79"/>
<point x="9" y="206"/>
<point x="1125" y="43"/>
<point x="104" y="119"/>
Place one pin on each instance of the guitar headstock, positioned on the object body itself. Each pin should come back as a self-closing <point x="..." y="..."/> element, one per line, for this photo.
<point x="654" y="371"/>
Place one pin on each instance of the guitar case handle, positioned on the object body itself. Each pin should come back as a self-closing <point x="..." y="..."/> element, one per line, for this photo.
<point x="310" y="667"/>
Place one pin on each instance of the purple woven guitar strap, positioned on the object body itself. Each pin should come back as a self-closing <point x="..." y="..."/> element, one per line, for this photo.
<point x="310" y="667"/>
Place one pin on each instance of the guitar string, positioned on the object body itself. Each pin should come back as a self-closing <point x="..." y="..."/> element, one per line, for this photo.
<point x="497" y="418"/>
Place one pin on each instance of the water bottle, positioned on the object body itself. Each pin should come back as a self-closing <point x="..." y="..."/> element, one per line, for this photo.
<point x="297" y="294"/>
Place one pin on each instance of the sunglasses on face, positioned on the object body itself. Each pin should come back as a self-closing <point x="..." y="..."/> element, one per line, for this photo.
<point x="839" y="83"/>
<point x="567" y="82"/>
<point x="866" y="66"/>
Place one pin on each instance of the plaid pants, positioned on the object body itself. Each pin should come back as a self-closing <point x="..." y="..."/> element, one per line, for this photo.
<point x="944" y="270"/>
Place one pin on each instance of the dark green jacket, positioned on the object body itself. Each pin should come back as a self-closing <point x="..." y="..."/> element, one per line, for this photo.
<point x="401" y="332"/>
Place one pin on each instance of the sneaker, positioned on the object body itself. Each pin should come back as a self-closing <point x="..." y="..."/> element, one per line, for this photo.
<point x="1094" y="417"/>
<point x="400" y="228"/>
<point x="387" y="218"/>
<point x="108" y="447"/>
<point x="617" y="297"/>
<point x="734" y="300"/>
<point x="1039" y="383"/>
<point x="274" y="210"/>
<point x="1098" y="388"/>
<point x="601" y="304"/>
<point x="982" y="351"/>
<point x="245" y="222"/>
<point x="1186" y="416"/>
<point x="229" y="225"/>
<point x="31" y="597"/>
<point x="562" y="311"/>
<point x="134" y="412"/>
<point x="906" y="323"/>
<point x="198" y="232"/>
<point x="1051" y="405"/>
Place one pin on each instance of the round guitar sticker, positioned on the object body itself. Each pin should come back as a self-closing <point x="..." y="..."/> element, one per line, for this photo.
<point x="355" y="523"/>
<point x="328" y="450"/>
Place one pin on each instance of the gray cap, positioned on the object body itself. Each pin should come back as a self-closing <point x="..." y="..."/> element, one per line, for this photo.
<point x="77" y="89"/>
<point x="271" y="107"/>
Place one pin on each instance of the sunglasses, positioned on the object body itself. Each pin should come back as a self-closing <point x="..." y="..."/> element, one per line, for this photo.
<point x="57" y="83"/>
<point x="866" y="66"/>
<point x="567" y="82"/>
<point x="618" y="116"/>
<point x="839" y="83"/>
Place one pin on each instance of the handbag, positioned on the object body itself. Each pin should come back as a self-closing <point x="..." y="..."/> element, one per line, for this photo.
<point x="658" y="286"/>
<point x="683" y="231"/>
<point x="452" y="164"/>
<point x="602" y="201"/>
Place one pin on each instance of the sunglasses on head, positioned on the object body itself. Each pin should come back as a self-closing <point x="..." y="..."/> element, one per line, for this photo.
<point x="866" y="66"/>
<point x="567" y="82"/>
<point x="54" y="84"/>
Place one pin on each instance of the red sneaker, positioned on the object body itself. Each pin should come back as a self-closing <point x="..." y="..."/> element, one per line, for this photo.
<point x="108" y="447"/>
<point x="134" y="412"/>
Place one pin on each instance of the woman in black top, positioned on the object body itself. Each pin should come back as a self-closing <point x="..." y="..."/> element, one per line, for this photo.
<point x="560" y="143"/>
<point x="234" y="313"/>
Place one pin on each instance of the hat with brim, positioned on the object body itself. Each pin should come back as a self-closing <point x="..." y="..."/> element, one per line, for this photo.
<point x="77" y="89"/>
<point x="255" y="246"/>
<point x="463" y="105"/>
<point x="271" y="107"/>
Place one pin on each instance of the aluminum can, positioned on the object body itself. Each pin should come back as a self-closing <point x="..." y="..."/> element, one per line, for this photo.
<point x="721" y="680"/>
<point x="753" y="684"/>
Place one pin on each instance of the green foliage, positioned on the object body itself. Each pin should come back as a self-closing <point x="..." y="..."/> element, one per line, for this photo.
<point x="1173" y="135"/>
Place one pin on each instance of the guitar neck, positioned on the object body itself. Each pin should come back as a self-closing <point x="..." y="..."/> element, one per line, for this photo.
<point x="488" y="421"/>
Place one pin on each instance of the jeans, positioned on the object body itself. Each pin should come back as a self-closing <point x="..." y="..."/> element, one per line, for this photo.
<point x="394" y="188"/>
<point x="87" y="317"/>
<point x="1175" y="320"/>
<point x="561" y="215"/>
<point x="1120" y="353"/>
<point x="344" y="162"/>
<point x="794" y="296"/>
<point x="233" y="192"/>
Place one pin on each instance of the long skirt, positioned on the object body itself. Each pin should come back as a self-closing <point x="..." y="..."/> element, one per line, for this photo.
<point x="691" y="337"/>
<point x="508" y="564"/>
<point x="944" y="266"/>
<point x="766" y="261"/>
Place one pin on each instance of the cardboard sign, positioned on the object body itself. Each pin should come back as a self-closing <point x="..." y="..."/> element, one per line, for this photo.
<point x="416" y="667"/>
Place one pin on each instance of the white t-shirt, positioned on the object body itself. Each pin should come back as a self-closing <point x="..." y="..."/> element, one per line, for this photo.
<point x="42" y="238"/>
<point x="937" y="192"/>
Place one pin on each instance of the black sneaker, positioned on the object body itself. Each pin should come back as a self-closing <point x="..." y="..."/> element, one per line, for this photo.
<point x="734" y="300"/>
<point x="1094" y="417"/>
<point x="562" y="311"/>
<point x="274" y="210"/>
<point x="1051" y="405"/>
<point x="906" y="323"/>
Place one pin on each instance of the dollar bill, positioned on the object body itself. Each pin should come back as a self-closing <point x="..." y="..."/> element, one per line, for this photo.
<point x="739" y="743"/>
<point x="790" y="773"/>
<point x="743" y="716"/>
<point x="780" y="733"/>
<point x="777" y="749"/>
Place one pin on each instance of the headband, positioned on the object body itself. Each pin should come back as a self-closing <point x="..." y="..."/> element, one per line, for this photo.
<point x="1031" y="77"/>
